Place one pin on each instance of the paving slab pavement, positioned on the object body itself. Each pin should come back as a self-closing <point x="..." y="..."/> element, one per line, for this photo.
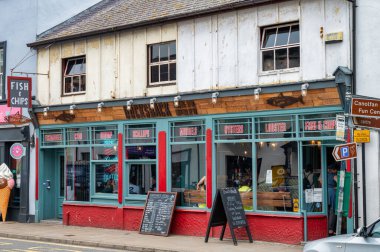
<point x="131" y="240"/>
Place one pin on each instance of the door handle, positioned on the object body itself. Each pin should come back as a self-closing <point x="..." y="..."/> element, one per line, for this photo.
<point x="47" y="184"/>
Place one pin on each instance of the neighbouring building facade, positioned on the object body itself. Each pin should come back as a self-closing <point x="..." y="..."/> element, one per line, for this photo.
<point x="366" y="85"/>
<point x="18" y="60"/>
<point x="244" y="94"/>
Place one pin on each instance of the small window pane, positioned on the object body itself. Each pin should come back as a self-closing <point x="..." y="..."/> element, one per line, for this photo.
<point x="69" y="66"/>
<point x="294" y="57"/>
<point x="164" y="52"/>
<point x="68" y="84"/>
<point x="83" y="83"/>
<point x="294" y="35"/>
<point x="104" y="153"/>
<point x="172" y="51"/>
<point x="142" y="178"/>
<point x="77" y="68"/>
<point x="282" y="36"/>
<point x="154" y="53"/>
<point x="106" y="178"/>
<point x="76" y="84"/>
<point x="140" y="152"/>
<point x="270" y="36"/>
<point x="154" y="74"/>
<point x="281" y="59"/>
<point x="173" y="71"/>
<point x="268" y="60"/>
<point x="164" y="72"/>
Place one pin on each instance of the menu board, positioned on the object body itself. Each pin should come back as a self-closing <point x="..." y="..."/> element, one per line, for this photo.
<point x="158" y="212"/>
<point x="233" y="207"/>
<point x="228" y="208"/>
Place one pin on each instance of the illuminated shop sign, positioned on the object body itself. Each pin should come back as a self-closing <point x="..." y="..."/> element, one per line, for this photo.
<point x="275" y="127"/>
<point x="188" y="131"/>
<point x="53" y="138"/>
<point x="233" y="129"/>
<point x="320" y="125"/>
<point x="78" y="136"/>
<point x="140" y="133"/>
<point x="106" y="135"/>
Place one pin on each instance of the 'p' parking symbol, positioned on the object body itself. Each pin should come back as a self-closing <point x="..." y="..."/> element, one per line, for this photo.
<point x="344" y="152"/>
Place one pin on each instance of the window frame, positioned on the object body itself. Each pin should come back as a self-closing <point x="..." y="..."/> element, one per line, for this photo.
<point x="274" y="47"/>
<point x="64" y="69"/>
<point x="3" y="45"/>
<point x="159" y="63"/>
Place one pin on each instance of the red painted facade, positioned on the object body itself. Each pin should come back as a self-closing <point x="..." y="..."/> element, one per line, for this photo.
<point x="264" y="227"/>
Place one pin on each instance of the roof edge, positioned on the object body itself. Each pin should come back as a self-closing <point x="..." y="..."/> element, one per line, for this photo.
<point x="228" y="7"/>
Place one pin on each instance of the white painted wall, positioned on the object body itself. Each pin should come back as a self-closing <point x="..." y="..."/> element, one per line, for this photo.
<point x="367" y="84"/>
<point x="213" y="52"/>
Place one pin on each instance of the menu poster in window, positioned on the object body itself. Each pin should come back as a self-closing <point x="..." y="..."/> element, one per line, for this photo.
<point x="228" y="208"/>
<point x="158" y="213"/>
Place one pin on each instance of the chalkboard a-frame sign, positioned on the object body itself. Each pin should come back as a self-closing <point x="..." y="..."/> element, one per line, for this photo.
<point x="158" y="213"/>
<point x="228" y="208"/>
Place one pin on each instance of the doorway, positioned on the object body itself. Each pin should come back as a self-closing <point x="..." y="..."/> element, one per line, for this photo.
<point x="52" y="184"/>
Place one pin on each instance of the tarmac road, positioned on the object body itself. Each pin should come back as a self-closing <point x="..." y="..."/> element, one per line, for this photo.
<point x="17" y="245"/>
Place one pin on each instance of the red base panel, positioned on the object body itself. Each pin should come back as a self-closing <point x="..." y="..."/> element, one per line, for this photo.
<point x="270" y="228"/>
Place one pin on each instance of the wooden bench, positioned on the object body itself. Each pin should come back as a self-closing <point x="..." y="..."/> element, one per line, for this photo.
<point x="264" y="199"/>
<point x="194" y="197"/>
<point x="274" y="199"/>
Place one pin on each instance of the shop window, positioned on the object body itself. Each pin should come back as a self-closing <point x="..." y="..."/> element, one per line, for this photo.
<point x="187" y="131"/>
<point x="106" y="179"/>
<point x="162" y="63"/>
<point x="78" y="174"/>
<point x="105" y="152"/>
<point x="140" y="156"/>
<point x="77" y="136"/>
<point x="312" y="178"/>
<point x="52" y="137"/>
<point x="74" y="75"/>
<point x="188" y="169"/>
<point x="234" y="169"/>
<point x="280" y="47"/>
<point x="142" y="179"/>
<point x="277" y="176"/>
<point x="229" y="129"/>
<point x="276" y="127"/>
<point x="105" y="135"/>
<point x="318" y="125"/>
<point x="2" y="70"/>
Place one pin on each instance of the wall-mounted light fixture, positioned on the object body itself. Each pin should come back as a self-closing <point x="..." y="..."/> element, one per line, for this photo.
<point x="72" y="107"/>
<point x="100" y="106"/>
<point x="176" y="101"/>
<point x="214" y="97"/>
<point x="304" y="88"/>
<point x="129" y="105"/>
<point x="257" y="92"/>
<point x="152" y="102"/>
<point x="46" y="111"/>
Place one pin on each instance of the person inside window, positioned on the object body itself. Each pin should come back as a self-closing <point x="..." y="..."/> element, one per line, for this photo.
<point x="331" y="192"/>
<point x="153" y="186"/>
<point x="133" y="188"/>
<point x="202" y="184"/>
<point x="109" y="187"/>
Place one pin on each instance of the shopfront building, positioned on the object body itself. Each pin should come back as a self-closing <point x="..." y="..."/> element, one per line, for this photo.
<point x="98" y="172"/>
<point x="15" y="135"/>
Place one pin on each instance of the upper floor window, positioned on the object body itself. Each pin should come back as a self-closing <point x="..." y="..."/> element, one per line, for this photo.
<point x="74" y="75"/>
<point x="2" y="70"/>
<point x="162" y="63"/>
<point x="280" y="47"/>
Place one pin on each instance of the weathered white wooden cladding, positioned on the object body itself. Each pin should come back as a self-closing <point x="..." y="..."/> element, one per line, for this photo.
<point x="213" y="52"/>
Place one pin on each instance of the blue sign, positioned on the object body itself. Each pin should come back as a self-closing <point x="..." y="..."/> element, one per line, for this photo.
<point x="344" y="152"/>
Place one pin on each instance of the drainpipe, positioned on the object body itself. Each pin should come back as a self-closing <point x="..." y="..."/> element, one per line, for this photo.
<point x="355" y="168"/>
<point x="304" y="213"/>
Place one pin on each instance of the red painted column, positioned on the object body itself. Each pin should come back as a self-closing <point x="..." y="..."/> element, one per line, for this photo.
<point x="209" y="167"/>
<point x="162" y="161"/>
<point x="37" y="166"/>
<point x="120" y="168"/>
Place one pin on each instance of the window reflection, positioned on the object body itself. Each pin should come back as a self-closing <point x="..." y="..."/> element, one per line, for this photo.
<point x="142" y="178"/>
<point x="106" y="178"/>
<point x="277" y="179"/>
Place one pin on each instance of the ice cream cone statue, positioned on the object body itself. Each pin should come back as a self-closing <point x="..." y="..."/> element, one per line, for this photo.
<point x="6" y="184"/>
